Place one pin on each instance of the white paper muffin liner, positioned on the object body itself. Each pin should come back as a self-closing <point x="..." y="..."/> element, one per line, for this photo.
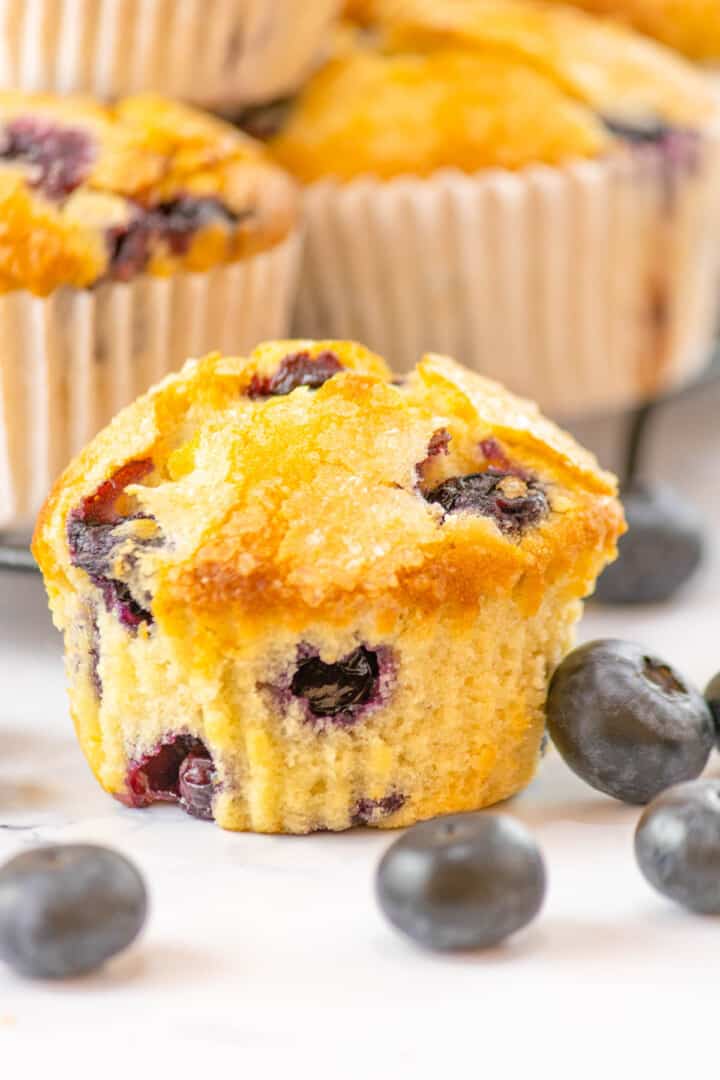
<point x="216" y="53"/>
<point x="589" y="287"/>
<point x="69" y="362"/>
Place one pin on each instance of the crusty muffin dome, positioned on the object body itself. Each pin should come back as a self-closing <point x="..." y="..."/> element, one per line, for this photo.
<point x="145" y="185"/>
<point x="473" y="84"/>
<point x="333" y="597"/>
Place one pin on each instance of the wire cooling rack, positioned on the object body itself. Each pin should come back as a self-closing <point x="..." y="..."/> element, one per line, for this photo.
<point x="15" y="555"/>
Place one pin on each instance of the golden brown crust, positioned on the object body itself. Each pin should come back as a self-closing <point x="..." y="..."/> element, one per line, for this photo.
<point x="307" y="506"/>
<point x="106" y="167"/>
<point x="474" y="84"/>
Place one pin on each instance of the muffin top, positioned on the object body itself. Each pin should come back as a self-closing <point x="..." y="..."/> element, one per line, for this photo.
<point x="473" y="84"/>
<point x="690" y="26"/>
<point x="144" y="186"/>
<point x="303" y="483"/>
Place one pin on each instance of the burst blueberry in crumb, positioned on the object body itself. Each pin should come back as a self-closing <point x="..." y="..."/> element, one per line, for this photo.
<point x="513" y="502"/>
<point x="58" y="159"/>
<point x="337" y="690"/>
<point x="496" y="456"/>
<point x="196" y="784"/>
<point x="370" y="811"/>
<point x="439" y="444"/>
<point x="179" y="770"/>
<point x="296" y="369"/>
<point x="172" y="224"/>
<point x="93" y="541"/>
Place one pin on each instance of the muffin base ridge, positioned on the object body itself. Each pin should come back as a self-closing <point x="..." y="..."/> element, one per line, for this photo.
<point x="473" y="743"/>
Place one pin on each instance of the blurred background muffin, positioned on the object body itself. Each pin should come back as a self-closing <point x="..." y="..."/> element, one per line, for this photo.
<point x="132" y="236"/>
<point x="522" y="185"/>
<point x="215" y="53"/>
<point x="690" y="26"/>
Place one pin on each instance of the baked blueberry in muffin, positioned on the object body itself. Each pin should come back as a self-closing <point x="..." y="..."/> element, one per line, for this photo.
<point x="298" y="595"/>
<point x="143" y="186"/>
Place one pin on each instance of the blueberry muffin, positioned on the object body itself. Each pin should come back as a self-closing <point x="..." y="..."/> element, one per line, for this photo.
<point x="133" y="235"/>
<point x="524" y="186"/>
<point x="219" y="54"/>
<point x="298" y="594"/>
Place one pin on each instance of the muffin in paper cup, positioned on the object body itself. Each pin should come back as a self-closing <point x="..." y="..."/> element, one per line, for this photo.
<point x="529" y="188"/>
<point x="298" y="594"/>
<point x="131" y="238"/>
<point x="220" y="54"/>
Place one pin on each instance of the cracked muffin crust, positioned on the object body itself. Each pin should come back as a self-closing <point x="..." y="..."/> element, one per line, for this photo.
<point x="143" y="186"/>
<point x="299" y="595"/>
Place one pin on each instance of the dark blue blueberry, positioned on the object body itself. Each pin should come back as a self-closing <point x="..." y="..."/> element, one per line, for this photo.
<point x="66" y="909"/>
<point x="172" y="224"/>
<point x="660" y="552"/>
<point x="513" y="502"/>
<point x="712" y="696"/>
<point x="462" y="882"/>
<point x="179" y="770"/>
<point x="296" y="369"/>
<point x="58" y="158"/>
<point x="197" y="781"/>
<point x="677" y="845"/>
<point x="626" y="722"/>
<point x="333" y="690"/>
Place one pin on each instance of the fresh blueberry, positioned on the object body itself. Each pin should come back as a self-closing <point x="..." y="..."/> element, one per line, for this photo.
<point x="712" y="696"/>
<point x="626" y="722"/>
<point x="677" y="845"/>
<point x="332" y="689"/>
<point x="296" y="369"/>
<point x="66" y="909"/>
<point x="462" y="882"/>
<point x="514" y="502"/>
<point x="660" y="552"/>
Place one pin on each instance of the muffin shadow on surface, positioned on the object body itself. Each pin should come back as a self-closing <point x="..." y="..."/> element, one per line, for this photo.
<point x="298" y="596"/>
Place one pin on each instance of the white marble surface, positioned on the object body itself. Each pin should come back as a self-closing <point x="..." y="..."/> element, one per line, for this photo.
<point x="269" y="953"/>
